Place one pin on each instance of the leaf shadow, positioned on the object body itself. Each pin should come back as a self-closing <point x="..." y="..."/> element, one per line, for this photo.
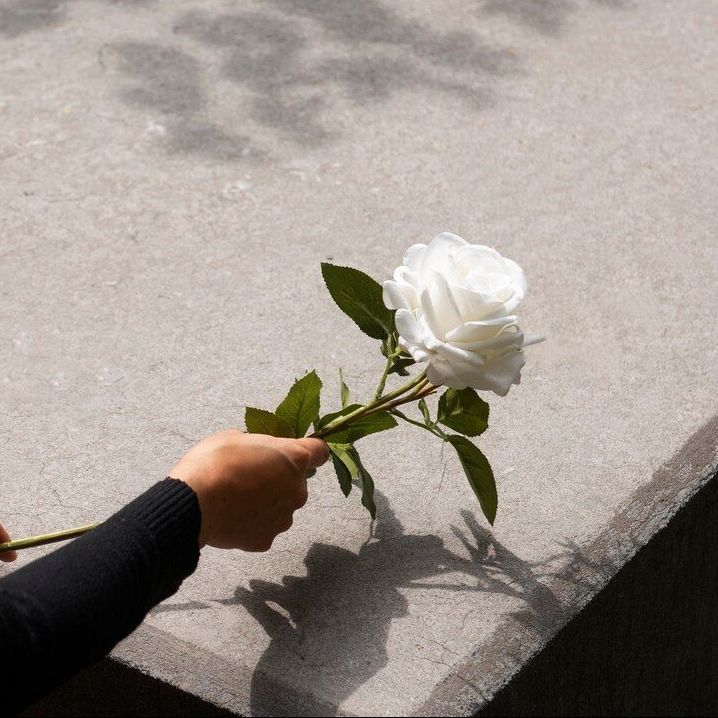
<point x="303" y="73"/>
<point x="293" y="64"/>
<point x="547" y="17"/>
<point x="250" y="82"/>
<point x="18" y="17"/>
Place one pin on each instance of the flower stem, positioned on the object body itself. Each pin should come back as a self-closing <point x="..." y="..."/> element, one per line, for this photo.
<point x="382" y="382"/>
<point x="42" y="539"/>
<point x="421" y="390"/>
<point x="432" y="429"/>
<point x="373" y="406"/>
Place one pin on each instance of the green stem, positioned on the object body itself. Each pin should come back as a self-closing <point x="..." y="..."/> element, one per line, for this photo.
<point x="432" y="429"/>
<point x="42" y="539"/>
<point x="374" y="406"/>
<point x="382" y="382"/>
<point x="419" y="392"/>
<point x="426" y="390"/>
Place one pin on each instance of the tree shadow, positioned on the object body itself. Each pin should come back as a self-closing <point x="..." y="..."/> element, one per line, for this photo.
<point x="170" y="82"/>
<point x="295" y="61"/>
<point x="329" y="629"/>
<point x="548" y="17"/>
<point x="21" y="16"/>
<point x="300" y="68"/>
<point x="295" y="70"/>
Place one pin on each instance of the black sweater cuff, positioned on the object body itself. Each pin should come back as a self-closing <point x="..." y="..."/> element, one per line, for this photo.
<point x="168" y="511"/>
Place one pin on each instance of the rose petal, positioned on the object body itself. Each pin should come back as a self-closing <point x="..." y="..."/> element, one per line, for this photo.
<point x="413" y="256"/>
<point x="475" y="305"/>
<point x="530" y="339"/>
<point x="499" y="374"/>
<point x="441" y="373"/>
<point x="512" y="338"/>
<point x="444" y="306"/>
<point x="517" y="274"/>
<point x="457" y="354"/>
<point x="404" y="274"/>
<point x="429" y="316"/>
<point x="477" y="258"/>
<point x="398" y="295"/>
<point x="481" y="331"/>
<point x="435" y="257"/>
<point x="408" y="326"/>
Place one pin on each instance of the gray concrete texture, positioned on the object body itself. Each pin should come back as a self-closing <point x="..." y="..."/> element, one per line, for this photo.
<point x="172" y="176"/>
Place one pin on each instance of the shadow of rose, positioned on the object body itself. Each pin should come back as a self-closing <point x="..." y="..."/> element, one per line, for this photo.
<point x="329" y="629"/>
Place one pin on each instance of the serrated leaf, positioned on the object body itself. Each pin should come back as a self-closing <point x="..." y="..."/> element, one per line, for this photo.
<point x="425" y="411"/>
<point x="363" y="426"/>
<point x="360" y="298"/>
<point x="301" y="405"/>
<point x="260" y="421"/>
<point x="367" y="485"/>
<point x="463" y="410"/>
<point x="478" y="471"/>
<point x="344" y="465"/>
<point x="344" y="390"/>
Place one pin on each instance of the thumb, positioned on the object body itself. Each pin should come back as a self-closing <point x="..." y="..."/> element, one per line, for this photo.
<point x="318" y="451"/>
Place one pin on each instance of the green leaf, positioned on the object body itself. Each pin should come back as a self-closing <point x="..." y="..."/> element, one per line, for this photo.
<point x="349" y="468"/>
<point x="259" y="421"/>
<point x="425" y="412"/>
<point x="301" y="406"/>
<point x="478" y="471"/>
<point x="360" y="298"/>
<point x="344" y="465"/>
<point x="344" y="390"/>
<point x="463" y="410"/>
<point x="363" y="426"/>
<point x="367" y="485"/>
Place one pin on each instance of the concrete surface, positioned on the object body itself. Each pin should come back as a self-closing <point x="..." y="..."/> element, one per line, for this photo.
<point x="172" y="175"/>
<point x="646" y="644"/>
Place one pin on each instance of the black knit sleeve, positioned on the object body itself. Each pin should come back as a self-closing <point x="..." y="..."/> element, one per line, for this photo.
<point x="68" y="609"/>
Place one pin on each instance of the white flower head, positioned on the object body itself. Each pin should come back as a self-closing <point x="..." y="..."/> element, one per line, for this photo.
<point x="455" y="305"/>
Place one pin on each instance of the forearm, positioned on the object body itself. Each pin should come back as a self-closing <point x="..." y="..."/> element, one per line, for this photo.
<point x="71" y="607"/>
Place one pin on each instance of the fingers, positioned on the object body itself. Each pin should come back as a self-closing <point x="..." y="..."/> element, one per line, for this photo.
<point x="284" y="524"/>
<point x="301" y="496"/>
<point x="6" y="556"/>
<point x="305" y="454"/>
<point x="317" y="449"/>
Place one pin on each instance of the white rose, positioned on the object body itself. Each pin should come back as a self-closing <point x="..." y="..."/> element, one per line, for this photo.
<point x="455" y="305"/>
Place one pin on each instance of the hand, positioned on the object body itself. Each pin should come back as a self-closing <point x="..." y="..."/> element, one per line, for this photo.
<point x="6" y="555"/>
<point x="248" y="485"/>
